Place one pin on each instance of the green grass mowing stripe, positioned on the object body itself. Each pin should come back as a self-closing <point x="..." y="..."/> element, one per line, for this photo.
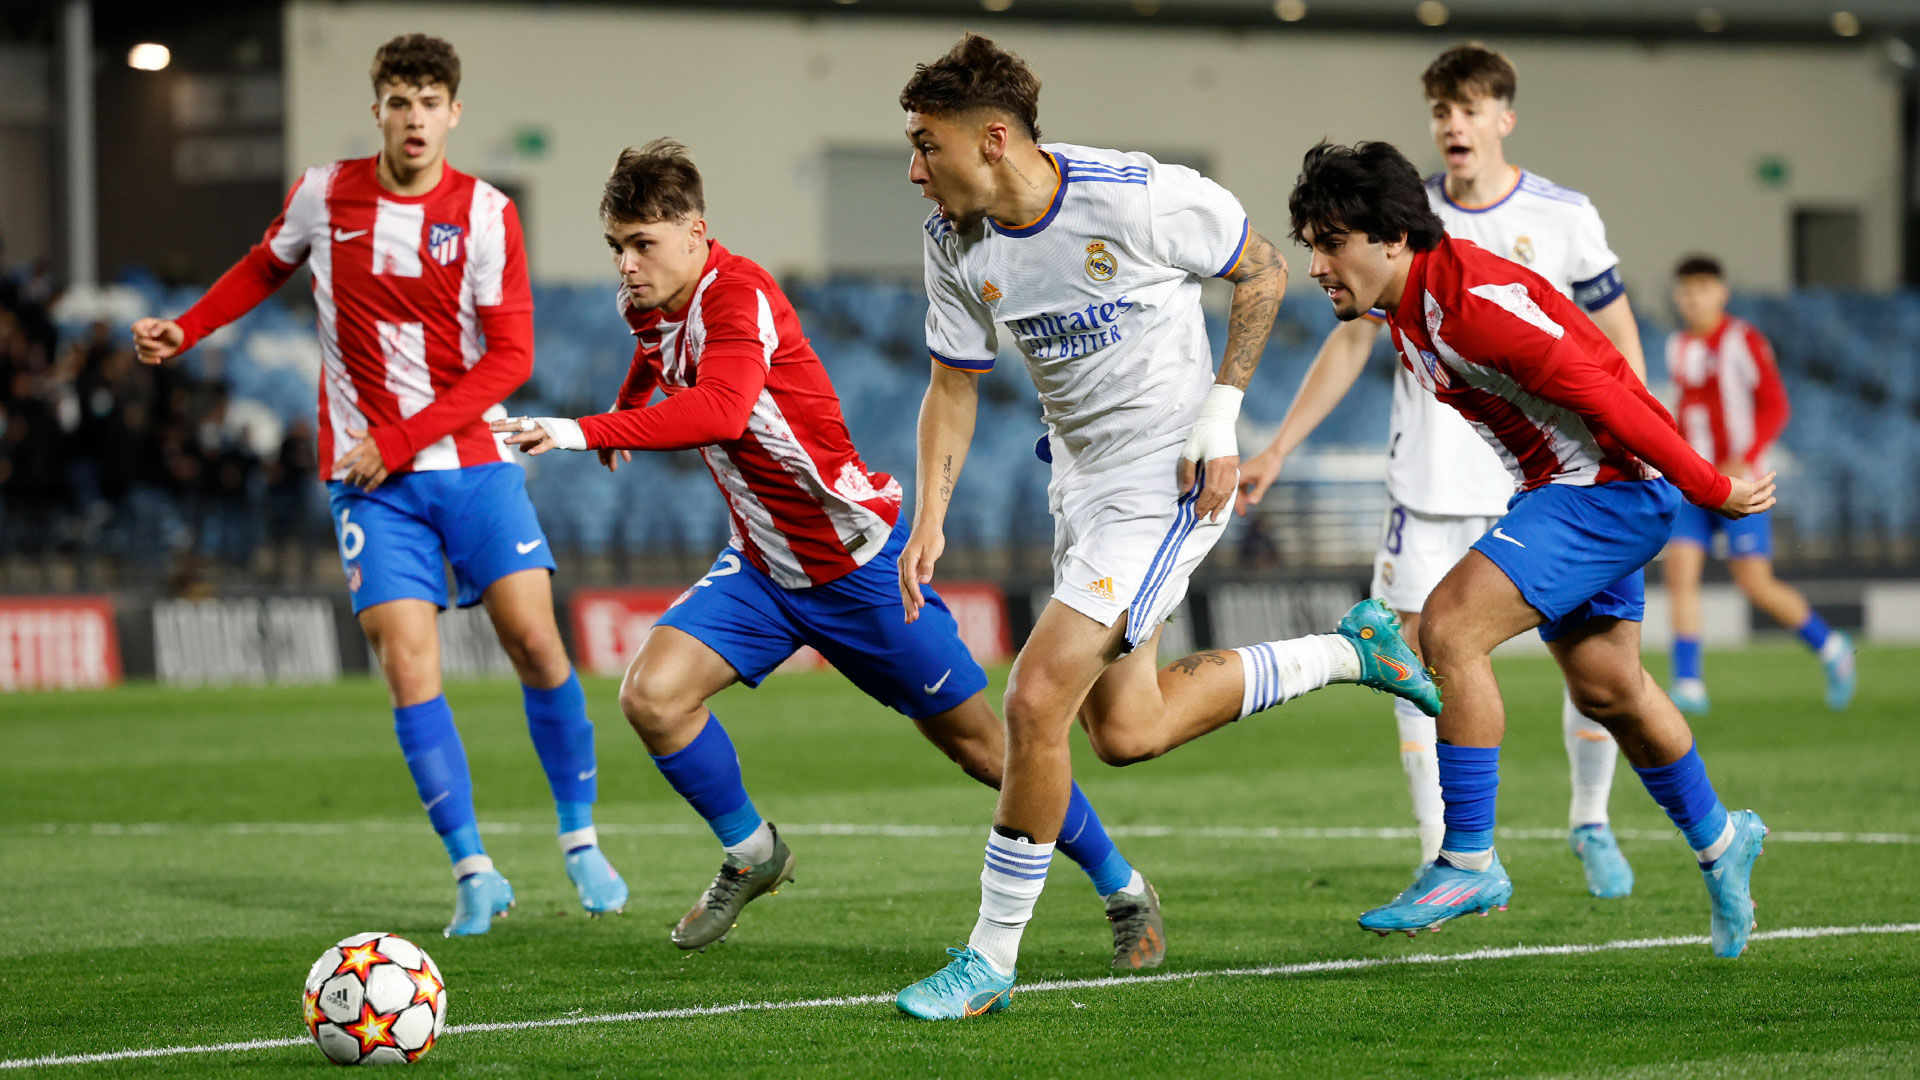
<point x="1210" y="832"/>
<point x="1312" y="967"/>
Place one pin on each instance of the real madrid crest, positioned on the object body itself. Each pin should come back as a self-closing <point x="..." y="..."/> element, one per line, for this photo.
<point x="1101" y="265"/>
<point x="1523" y="251"/>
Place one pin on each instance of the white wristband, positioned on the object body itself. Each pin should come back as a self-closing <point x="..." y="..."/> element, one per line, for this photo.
<point x="566" y="434"/>
<point x="1213" y="432"/>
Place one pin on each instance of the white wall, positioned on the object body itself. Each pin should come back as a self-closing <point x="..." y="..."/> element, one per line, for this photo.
<point x="1664" y="139"/>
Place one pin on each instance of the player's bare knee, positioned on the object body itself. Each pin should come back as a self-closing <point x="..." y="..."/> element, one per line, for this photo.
<point x="1441" y="640"/>
<point x="1606" y="697"/>
<point x="538" y="656"/>
<point x="1116" y="745"/>
<point x="655" y="706"/>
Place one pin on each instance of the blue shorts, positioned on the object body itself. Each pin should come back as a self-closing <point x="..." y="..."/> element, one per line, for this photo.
<point x="1750" y="537"/>
<point x="393" y="538"/>
<point x="858" y="623"/>
<point x="1576" y="553"/>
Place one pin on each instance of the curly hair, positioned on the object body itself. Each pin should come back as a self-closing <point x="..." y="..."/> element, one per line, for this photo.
<point x="657" y="182"/>
<point x="976" y="74"/>
<point x="1368" y="188"/>
<point x="1468" y="70"/>
<point x="417" y="60"/>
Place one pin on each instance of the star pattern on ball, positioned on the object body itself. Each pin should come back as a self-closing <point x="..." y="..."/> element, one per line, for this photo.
<point x="416" y="1055"/>
<point x="372" y="1029"/>
<point x="425" y="983"/>
<point x="360" y="959"/>
<point x="310" y="1011"/>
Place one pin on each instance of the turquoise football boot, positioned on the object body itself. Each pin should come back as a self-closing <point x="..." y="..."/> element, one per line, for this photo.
<point x="1386" y="661"/>
<point x="1689" y="696"/>
<point x="1840" y="673"/>
<point x="1608" y="875"/>
<point x="601" y="889"/>
<point x="481" y="896"/>
<point x="1441" y="894"/>
<point x="969" y="986"/>
<point x="1729" y="884"/>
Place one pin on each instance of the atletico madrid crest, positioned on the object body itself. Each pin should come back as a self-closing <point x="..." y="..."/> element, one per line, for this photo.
<point x="443" y="243"/>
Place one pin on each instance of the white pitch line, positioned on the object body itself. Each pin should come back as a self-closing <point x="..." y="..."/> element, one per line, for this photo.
<point x="1208" y="832"/>
<point x="1314" y="967"/>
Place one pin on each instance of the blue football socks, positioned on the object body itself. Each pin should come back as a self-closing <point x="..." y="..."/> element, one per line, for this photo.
<point x="1684" y="792"/>
<point x="1686" y="658"/>
<point x="1469" y="781"/>
<point x="563" y="737"/>
<point x="1814" y="631"/>
<point x="431" y="746"/>
<point x="706" y="773"/>
<point x="1084" y="840"/>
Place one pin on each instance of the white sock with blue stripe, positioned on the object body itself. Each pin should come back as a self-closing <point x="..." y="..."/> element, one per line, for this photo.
<point x="1010" y="884"/>
<point x="1277" y="671"/>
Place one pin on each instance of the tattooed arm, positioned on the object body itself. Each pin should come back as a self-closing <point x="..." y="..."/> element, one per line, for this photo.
<point x="1258" y="283"/>
<point x="946" y="428"/>
<point x="1259" y="279"/>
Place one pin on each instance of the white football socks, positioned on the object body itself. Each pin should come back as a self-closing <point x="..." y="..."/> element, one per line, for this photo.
<point x="472" y="864"/>
<point x="1278" y="671"/>
<point x="1719" y="847"/>
<point x="756" y="848"/>
<point x="1592" y="756"/>
<point x="579" y="838"/>
<point x="1010" y="884"/>
<point x="1421" y="762"/>
<point x="1469" y="860"/>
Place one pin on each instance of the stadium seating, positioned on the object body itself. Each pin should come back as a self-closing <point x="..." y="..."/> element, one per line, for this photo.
<point x="1848" y="359"/>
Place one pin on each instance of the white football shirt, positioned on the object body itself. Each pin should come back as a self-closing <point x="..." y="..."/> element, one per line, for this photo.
<point x="1101" y="297"/>
<point x="1437" y="464"/>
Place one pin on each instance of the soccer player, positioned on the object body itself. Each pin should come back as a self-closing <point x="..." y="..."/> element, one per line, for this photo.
<point x="1582" y="437"/>
<point x="814" y="555"/>
<point x="426" y="323"/>
<point x="1446" y="486"/>
<point x="1732" y="407"/>
<point x="1092" y="262"/>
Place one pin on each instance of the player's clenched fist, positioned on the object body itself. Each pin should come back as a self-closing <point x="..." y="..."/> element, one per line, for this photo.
<point x="923" y="549"/>
<point x="1748" y="497"/>
<point x="156" y="340"/>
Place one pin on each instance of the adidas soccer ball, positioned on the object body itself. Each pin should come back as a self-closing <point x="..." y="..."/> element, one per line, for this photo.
<point x="375" y="999"/>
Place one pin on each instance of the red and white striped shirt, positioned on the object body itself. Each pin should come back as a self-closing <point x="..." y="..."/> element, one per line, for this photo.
<point x="1732" y="402"/>
<point x="744" y="387"/>
<point x="1536" y="378"/>
<point x="425" y="314"/>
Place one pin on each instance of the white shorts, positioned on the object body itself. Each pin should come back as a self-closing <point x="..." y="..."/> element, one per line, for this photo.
<point x="1126" y="541"/>
<point x="1417" y="550"/>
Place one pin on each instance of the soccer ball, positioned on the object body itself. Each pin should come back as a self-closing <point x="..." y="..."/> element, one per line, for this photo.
<point x="375" y="999"/>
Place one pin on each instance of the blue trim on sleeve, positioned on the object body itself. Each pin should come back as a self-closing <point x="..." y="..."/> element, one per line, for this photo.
<point x="1234" y="259"/>
<point x="1600" y="290"/>
<point x="978" y="367"/>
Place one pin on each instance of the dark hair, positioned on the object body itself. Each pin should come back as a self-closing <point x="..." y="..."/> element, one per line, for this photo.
<point x="1369" y="188"/>
<point x="1699" y="266"/>
<point x="1467" y="70"/>
<point x="417" y="60"/>
<point x="657" y="182"/>
<point x="976" y="74"/>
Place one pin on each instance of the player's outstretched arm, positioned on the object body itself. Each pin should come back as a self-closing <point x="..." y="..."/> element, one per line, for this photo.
<point x="946" y="430"/>
<point x="1259" y="281"/>
<point x="1617" y="322"/>
<point x="1336" y="367"/>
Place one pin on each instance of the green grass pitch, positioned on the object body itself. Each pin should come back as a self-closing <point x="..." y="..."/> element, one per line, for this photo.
<point x="137" y="913"/>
